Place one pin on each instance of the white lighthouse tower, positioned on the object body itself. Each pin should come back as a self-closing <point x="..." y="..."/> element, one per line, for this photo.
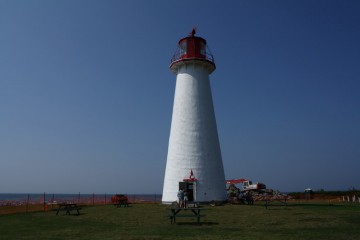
<point x="194" y="160"/>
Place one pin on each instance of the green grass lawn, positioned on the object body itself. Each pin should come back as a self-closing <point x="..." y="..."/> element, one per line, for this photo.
<point x="149" y="221"/>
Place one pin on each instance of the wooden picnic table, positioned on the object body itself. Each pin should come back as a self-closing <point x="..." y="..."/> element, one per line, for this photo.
<point x="281" y="200"/>
<point x="120" y="203"/>
<point x="195" y="212"/>
<point x="68" y="207"/>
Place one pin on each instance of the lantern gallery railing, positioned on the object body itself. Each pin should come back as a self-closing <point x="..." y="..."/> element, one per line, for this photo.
<point x="180" y="54"/>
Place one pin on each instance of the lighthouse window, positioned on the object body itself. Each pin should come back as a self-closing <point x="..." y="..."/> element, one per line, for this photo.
<point x="203" y="49"/>
<point x="182" y="49"/>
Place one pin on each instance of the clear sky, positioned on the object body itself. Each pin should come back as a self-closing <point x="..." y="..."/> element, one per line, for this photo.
<point x="86" y="92"/>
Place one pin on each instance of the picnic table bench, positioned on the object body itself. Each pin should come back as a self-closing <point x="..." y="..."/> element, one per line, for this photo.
<point x="120" y="203"/>
<point x="68" y="207"/>
<point x="268" y="201"/>
<point x="194" y="212"/>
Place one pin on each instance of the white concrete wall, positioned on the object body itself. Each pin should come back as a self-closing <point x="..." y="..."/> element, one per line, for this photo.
<point x="194" y="142"/>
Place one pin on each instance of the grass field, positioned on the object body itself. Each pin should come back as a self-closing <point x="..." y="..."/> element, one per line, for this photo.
<point x="309" y="220"/>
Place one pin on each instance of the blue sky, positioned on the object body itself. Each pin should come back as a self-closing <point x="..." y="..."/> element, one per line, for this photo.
<point x="86" y="92"/>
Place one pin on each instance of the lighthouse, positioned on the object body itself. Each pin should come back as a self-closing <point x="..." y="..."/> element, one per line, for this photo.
<point x="194" y="161"/>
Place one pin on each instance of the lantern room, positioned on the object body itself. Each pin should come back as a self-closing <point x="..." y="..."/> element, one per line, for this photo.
<point x="192" y="48"/>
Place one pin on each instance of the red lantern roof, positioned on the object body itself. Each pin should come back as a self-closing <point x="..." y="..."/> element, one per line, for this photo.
<point x="192" y="48"/>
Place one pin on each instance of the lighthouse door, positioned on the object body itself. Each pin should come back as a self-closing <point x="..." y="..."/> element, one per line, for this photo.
<point x="189" y="188"/>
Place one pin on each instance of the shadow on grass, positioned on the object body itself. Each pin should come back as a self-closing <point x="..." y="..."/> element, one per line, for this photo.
<point x="197" y="224"/>
<point x="315" y="205"/>
<point x="128" y="206"/>
<point x="279" y="206"/>
<point x="70" y="215"/>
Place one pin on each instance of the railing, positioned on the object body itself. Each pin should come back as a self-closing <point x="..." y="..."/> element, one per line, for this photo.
<point x="36" y="198"/>
<point x="179" y="55"/>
